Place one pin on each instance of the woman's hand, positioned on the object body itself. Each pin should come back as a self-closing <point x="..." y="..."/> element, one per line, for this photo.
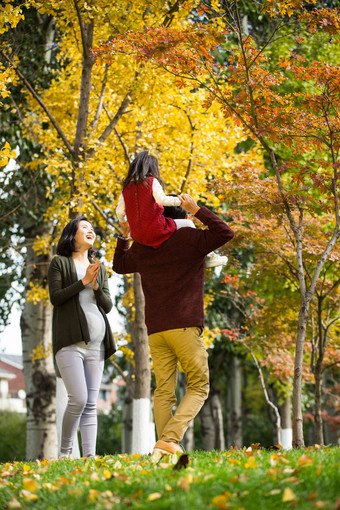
<point x="92" y="272"/>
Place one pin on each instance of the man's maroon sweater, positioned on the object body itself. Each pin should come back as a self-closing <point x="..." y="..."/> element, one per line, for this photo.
<point x="173" y="274"/>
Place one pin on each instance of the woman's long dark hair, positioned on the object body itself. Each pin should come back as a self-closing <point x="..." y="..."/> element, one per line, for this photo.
<point x="66" y="245"/>
<point x="143" y="166"/>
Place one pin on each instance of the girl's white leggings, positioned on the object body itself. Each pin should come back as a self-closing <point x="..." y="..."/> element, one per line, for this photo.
<point x="81" y="370"/>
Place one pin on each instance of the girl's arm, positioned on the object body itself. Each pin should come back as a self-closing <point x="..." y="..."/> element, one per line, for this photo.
<point x="121" y="209"/>
<point x="161" y="198"/>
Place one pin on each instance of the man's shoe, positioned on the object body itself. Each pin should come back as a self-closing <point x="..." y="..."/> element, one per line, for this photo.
<point x="214" y="260"/>
<point x="166" y="447"/>
<point x="163" y="448"/>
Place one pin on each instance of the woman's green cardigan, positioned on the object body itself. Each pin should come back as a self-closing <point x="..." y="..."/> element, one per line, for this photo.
<point x="69" y="324"/>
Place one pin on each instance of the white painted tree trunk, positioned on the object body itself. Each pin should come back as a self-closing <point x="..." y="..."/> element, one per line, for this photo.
<point x="143" y="434"/>
<point x="39" y="376"/>
<point x="286" y="440"/>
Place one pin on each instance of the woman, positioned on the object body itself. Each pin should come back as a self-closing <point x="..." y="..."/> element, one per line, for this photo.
<point x="81" y="334"/>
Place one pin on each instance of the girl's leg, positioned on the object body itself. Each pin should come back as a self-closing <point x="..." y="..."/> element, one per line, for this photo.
<point x="180" y="223"/>
<point x="93" y="368"/>
<point x="70" y="363"/>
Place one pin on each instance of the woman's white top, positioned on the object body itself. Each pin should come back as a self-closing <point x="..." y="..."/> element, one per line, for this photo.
<point x="94" y="318"/>
<point x="158" y="194"/>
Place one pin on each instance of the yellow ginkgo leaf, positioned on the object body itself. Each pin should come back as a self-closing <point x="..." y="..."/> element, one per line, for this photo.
<point x="251" y="463"/>
<point x="288" y="495"/>
<point x="75" y="492"/>
<point x="26" y="468"/>
<point x="154" y="496"/>
<point x="14" y="503"/>
<point x="220" y="501"/>
<point x="28" y="496"/>
<point x="93" y="494"/>
<point x="30" y="485"/>
<point x="305" y="460"/>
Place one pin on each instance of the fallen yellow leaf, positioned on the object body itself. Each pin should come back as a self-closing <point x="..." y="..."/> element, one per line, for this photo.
<point x="251" y="463"/>
<point x="14" y="503"/>
<point x="107" y="473"/>
<point x="305" y="460"/>
<point x="184" y="484"/>
<point x="288" y="495"/>
<point x="220" y="501"/>
<point x="93" y="494"/>
<point x="75" y="492"/>
<point x="137" y="495"/>
<point x="50" y="487"/>
<point x="28" y="496"/>
<point x="26" y="468"/>
<point x="275" y="492"/>
<point x="30" y="485"/>
<point x="234" y="461"/>
<point x="154" y="496"/>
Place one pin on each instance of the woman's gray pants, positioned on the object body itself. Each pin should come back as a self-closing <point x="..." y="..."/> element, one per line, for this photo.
<point x="81" y="370"/>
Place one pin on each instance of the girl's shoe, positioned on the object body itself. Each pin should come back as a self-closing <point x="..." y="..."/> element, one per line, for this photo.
<point x="214" y="260"/>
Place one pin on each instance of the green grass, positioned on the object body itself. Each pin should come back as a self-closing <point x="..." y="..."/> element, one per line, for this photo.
<point x="259" y="479"/>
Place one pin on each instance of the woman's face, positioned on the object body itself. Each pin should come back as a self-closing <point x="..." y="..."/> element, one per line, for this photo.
<point x="85" y="236"/>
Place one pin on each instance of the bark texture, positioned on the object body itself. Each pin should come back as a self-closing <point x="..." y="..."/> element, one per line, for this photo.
<point x="39" y="376"/>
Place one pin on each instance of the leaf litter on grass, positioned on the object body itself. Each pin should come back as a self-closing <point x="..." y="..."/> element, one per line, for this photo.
<point x="229" y="479"/>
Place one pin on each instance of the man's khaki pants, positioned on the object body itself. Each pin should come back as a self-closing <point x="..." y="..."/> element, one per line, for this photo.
<point x="167" y="348"/>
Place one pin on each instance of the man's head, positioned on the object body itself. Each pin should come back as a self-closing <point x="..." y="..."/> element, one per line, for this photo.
<point x="175" y="212"/>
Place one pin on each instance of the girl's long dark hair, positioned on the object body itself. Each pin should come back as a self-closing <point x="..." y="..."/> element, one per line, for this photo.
<point x="143" y="166"/>
<point x="66" y="245"/>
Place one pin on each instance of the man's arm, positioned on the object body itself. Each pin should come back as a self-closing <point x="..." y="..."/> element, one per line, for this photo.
<point x="123" y="260"/>
<point x="218" y="232"/>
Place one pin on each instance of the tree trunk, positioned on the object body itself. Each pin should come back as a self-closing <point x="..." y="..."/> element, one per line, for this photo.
<point x="39" y="376"/>
<point x="286" y="425"/>
<point x="207" y="426"/>
<point x="318" y="422"/>
<point x="127" y="423"/>
<point x="188" y="440"/>
<point x="212" y="423"/>
<point x="142" y="436"/>
<point x="235" y="437"/>
<point x="298" y="440"/>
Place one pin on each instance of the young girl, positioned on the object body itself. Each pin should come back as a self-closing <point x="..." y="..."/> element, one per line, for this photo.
<point x="141" y="205"/>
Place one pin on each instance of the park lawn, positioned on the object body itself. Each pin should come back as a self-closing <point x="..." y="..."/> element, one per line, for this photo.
<point x="249" y="478"/>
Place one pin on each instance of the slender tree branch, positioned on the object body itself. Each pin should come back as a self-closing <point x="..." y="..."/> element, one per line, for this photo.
<point x="94" y="123"/>
<point x="121" y="373"/>
<point x="105" y="216"/>
<point x="82" y="32"/>
<point x="114" y="121"/>
<point x="40" y="101"/>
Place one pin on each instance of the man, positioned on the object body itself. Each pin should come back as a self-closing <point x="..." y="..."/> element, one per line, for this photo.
<point x="172" y="279"/>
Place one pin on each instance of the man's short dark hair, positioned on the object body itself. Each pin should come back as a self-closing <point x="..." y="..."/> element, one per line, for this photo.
<point x="175" y="211"/>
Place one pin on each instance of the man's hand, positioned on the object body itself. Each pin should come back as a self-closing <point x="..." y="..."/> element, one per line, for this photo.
<point x="124" y="225"/>
<point x="188" y="203"/>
